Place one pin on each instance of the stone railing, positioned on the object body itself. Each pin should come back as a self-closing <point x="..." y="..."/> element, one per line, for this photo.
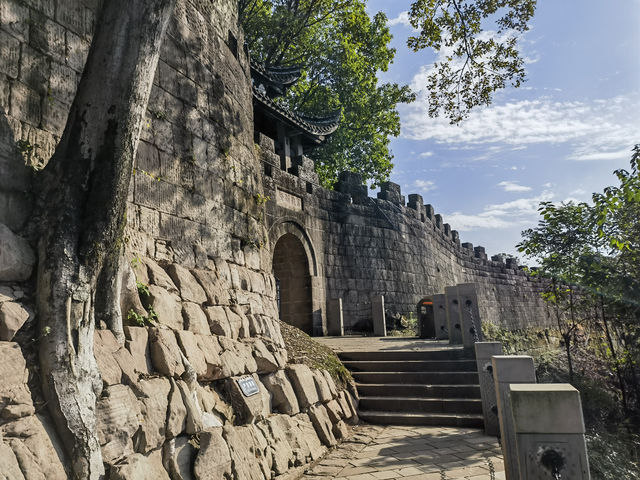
<point x="541" y="427"/>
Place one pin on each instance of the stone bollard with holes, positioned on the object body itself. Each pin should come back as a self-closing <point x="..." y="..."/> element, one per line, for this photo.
<point x="484" y="352"/>
<point x="549" y="430"/>
<point x="377" y="312"/>
<point x="510" y="369"/>
<point x="469" y="314"/>
<point x="440" y="316"/>
<point x="454" y="320"/>
<point x="335" y="319"/>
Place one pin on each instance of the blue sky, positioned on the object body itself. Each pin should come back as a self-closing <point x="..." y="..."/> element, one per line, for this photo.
<point x="558" y="138"/>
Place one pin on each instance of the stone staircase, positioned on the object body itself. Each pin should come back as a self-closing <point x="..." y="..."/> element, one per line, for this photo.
<point x="426" y="387"/>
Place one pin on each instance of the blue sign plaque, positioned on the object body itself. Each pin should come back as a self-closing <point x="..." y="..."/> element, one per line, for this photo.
<point x="248" y="386"/>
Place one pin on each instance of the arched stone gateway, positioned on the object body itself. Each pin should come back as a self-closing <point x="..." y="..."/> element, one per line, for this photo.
<point x="295" y="267"/>
<point x="293" y="283"/>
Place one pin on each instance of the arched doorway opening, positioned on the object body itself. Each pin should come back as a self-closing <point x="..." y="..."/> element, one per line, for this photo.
<point x="293" y="283"/>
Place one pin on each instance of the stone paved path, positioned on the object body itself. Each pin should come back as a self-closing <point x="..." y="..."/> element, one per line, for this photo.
<point x="412" y="453"/>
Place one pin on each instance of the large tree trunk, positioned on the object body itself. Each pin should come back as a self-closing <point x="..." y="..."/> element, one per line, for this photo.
<point x="82" y="199"/>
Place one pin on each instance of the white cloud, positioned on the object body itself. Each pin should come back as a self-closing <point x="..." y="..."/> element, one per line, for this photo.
<point x="425" y="154"/>
<point x="583" y="155"/>
<point x="513" y="187"/>
<point x="401" y="19"/>
<point x="424" y="185"/>
<point x="520" y="212"/>
<point x="602" y="129"/>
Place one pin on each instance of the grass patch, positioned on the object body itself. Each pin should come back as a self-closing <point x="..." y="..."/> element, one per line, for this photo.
<point x="301" y="348"/>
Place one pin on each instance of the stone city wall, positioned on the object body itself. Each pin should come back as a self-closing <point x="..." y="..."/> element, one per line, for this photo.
<point x="365" y="246"/>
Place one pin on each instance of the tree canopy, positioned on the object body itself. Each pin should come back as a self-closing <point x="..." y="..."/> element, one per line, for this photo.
<point x="479" y="40"/>
<point x="341" y="50"/>
<point x="592" y="252"/>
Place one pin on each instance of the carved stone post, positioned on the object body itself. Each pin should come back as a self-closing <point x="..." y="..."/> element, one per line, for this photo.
<point x="440" y="316"/>
<point x="509" y="369"/>
<point x="469" y="314"/>
<point x="454" y="321"/>
<point x="377" y="312"/>
<point x="484" y="352"/>
<point x="335" y="320"/>
<point x="549" y="430"/>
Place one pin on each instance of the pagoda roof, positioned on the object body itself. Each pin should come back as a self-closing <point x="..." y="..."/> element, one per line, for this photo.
<point x="315" y="129"/>
<point x="272" y="82"/>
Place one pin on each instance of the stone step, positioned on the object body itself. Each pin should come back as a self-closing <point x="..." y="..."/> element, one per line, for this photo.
<point x="418" y="390"/>
<point x="420" y="405"/>
<point x="436" y="419"/>
<point x="426" y="378"/>
<point x="411" y="365"/>
<point x="446" y="353"/>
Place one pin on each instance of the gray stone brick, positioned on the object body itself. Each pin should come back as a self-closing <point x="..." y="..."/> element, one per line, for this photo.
<point x="75" y="16"/>
<point x="46" y="7"/>
<point x="63" y="82"/>
<point x="54" y="115"/>
<point x="26" y="104"/>
<point x="14" y="19"/>
<point x="77" y="50"/>
<point x="9" y="55"/>
<point x="49" y="37"/>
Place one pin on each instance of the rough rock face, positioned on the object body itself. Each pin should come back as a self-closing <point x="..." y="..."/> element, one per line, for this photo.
<point x="167" y="384"/>
<point x="16" y="257"/>
<point x="13" y="316"/>
<point x="29" y="447"/>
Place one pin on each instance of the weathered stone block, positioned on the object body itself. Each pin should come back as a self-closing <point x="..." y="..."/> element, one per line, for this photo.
<point x="9" y="55"/>
<point x="303" y="384"/>
<point x="283" y="397"/>
<point x="340" y="430"/>
<point x="139" y="466"/>
<point x="236" y="357"/>
<point x="212" y="352"/>
<point x="214" y="457"/>
<point x="153" y="409"/>
<point x="249" y="409"/>
<point x="247" y="452"/>
<point x="324" y="392"/>
<point x="188" y="342"/>
<point x="165" y="352"/>
<point x="13" y="376"/>
<point x="194" y="319"/>
<point x="138" y="345"/>
<point x="16" y="257"/>
<point x="14" y="18"/>
<point x="117" y="414"/>
<point x="265" y="360"/>
<point x="190" y="289"/>
<point x="35" y="446"/>
<point x="177" y="412"/>
<point x="322" y="424"/>
<point x="282" y="454"/>
<point x="12" y="317"/>
<point x="178" y="456"/>
<point x="167" y="306"/>
<point x="316" y="449"/>
<point x="218" y="321"/>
